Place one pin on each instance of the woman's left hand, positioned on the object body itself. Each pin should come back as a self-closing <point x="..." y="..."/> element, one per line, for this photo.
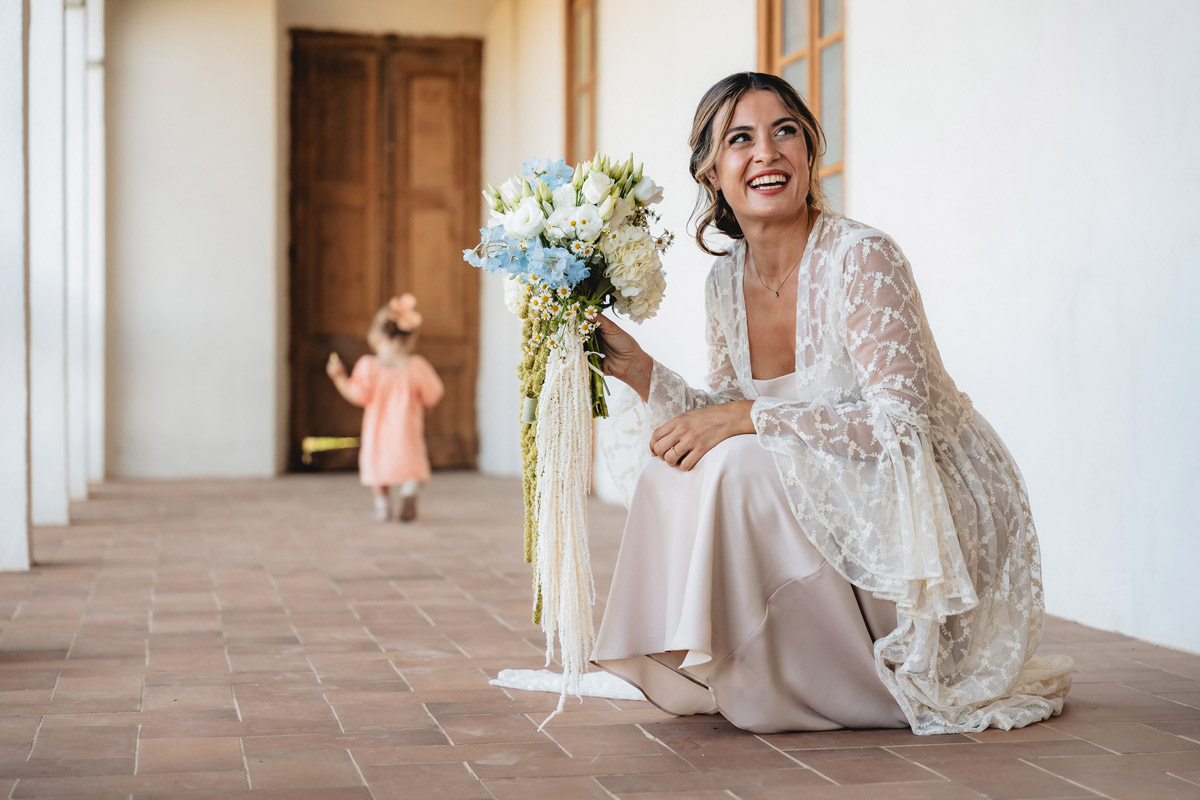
<point x="684" y="440"/>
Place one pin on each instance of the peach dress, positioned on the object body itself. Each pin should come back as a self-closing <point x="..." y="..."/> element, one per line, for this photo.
<point x="394" y="400"/>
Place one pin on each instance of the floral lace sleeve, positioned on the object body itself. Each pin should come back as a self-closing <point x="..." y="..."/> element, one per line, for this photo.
<point x="910" y="494"/>
<point x="862" y="473"/>
<point x="670" y="395"/>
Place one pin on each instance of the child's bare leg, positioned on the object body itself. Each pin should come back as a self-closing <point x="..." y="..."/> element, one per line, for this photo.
<point x="408" y="501"/>
<point x="381" y="502"/>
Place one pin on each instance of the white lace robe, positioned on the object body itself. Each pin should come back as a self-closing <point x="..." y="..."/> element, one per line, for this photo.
<point x="893" y="476"/>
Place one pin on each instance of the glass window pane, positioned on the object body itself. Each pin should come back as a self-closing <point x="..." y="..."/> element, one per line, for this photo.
<point x="833" y="187"/>
<point x="832" y="101"/>
<point x="583" y="42"/>
<point x="796" y="73"/>
<point x="831" y="17"/>
<point x="583" y="125"/>
<point x="795" y="26"/>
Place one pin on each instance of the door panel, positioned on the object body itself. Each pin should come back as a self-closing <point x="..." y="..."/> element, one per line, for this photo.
<point x="336" y="232"/>
<point x="384" y="172"/>
<point x="434" y="239"/>
<point x="435" y="181"/>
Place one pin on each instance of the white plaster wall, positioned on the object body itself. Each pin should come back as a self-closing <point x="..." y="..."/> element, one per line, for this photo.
<point x="524" y="116"/>
<point x="47" y="255"/>
<point x="652" y="76"/>
<point x="509" y="116"/>
<point x="192" y="334"/>
<point x="14" y="289"/>
<point x="1039" y="166"/>
<point x="94" y="258"/>
<point x="74" y="63"/>
<point x="406" y="17"/>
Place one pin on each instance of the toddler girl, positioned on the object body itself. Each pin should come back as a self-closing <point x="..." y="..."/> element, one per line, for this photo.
<point x="395" y="387"/>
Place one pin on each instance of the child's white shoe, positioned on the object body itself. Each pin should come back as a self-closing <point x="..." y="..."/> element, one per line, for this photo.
<point x="381" y="508"/>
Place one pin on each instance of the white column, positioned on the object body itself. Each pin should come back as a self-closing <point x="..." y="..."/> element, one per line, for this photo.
<point x="47" y="262"/>
<point x="14" y="288"/>
<point x="94" y="258"/>
<point x="74" y="118"/>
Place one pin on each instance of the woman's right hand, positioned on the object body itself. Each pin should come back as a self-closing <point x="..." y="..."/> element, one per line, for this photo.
<point x="624" y="358"/>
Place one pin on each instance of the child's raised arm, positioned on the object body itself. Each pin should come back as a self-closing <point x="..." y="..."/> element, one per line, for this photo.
<point x="346" y="388"/>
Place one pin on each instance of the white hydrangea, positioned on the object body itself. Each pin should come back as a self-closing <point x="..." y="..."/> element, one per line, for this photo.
<point x="628" y="251"/>
<point x="635" y="270"/>
<point x="644" y="305"/>
<point x="515" y="292"/>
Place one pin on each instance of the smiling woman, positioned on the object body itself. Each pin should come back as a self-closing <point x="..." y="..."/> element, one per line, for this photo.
<point x="828" y="535"/>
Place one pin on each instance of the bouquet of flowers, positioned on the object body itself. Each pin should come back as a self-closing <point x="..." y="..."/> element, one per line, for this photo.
<point x="571" y="243"/>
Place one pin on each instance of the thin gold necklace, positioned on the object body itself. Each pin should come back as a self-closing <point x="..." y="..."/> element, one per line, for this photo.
<point x="779" y="285"/>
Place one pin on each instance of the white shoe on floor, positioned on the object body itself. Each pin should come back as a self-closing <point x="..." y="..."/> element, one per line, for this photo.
<point x="381" y="509"/>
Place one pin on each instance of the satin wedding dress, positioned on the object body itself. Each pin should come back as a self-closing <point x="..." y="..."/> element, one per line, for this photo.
<point x="866" y="559"/>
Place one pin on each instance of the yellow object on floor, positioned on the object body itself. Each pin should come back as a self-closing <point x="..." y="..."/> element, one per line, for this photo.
<point x="318" y="444"/>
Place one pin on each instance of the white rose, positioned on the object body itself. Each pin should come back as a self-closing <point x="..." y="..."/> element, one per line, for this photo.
<point x="526" y="220"/>
<point x="559" y="224"/>
<point x="585" y="222"/>
<point x="511" y="191"/>
<point x="597" y="187"/>
<point x="564" y="196"/>
<point x="647" y="192"/>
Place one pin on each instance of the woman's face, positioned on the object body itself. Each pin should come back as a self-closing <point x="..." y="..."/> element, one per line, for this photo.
<point x="762" y="162"/>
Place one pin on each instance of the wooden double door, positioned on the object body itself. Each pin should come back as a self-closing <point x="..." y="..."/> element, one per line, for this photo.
<point x="385" y="151"/>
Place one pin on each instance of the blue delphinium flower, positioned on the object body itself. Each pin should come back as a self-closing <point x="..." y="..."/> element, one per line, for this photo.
<point x="554" y="173"/>
<point x="535" y="260"/>
<point x="497" y="252"/>
<point x="556" y="267"/>
<point x="577" y="270"/>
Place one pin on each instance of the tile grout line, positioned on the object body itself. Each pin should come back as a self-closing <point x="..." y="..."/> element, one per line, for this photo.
<point x="1180" y="777"/>
<point x="482" y="785"/>
<point x="787" y="755"/>
<point x="888" y="749"/>
<point x="1067" y="780"/>
<point x="361" y="776"/>
<point x="603" y="788"/>
<point x="437" y="722"/>
<point x="245" y="761"/>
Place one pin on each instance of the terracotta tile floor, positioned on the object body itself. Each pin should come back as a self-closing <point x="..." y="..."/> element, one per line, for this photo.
<point x="266" y="639"/>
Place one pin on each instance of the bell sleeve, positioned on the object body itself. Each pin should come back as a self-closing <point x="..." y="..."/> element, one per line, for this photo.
<point x="861" y="475"/>
<point x="430" y="387"/>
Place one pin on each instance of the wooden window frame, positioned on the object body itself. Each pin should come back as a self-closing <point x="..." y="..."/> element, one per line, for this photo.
<point x="772" y="59"/>
<point x="576" y="84"/>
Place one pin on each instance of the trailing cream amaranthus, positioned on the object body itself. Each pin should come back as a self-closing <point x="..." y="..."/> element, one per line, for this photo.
<point x="571" y="244"/>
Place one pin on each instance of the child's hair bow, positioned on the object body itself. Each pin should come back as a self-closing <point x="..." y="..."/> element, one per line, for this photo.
<point x="402" y="310"/>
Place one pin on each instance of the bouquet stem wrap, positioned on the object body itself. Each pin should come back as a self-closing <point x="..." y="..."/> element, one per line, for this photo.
<point x="563" y="567"/>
